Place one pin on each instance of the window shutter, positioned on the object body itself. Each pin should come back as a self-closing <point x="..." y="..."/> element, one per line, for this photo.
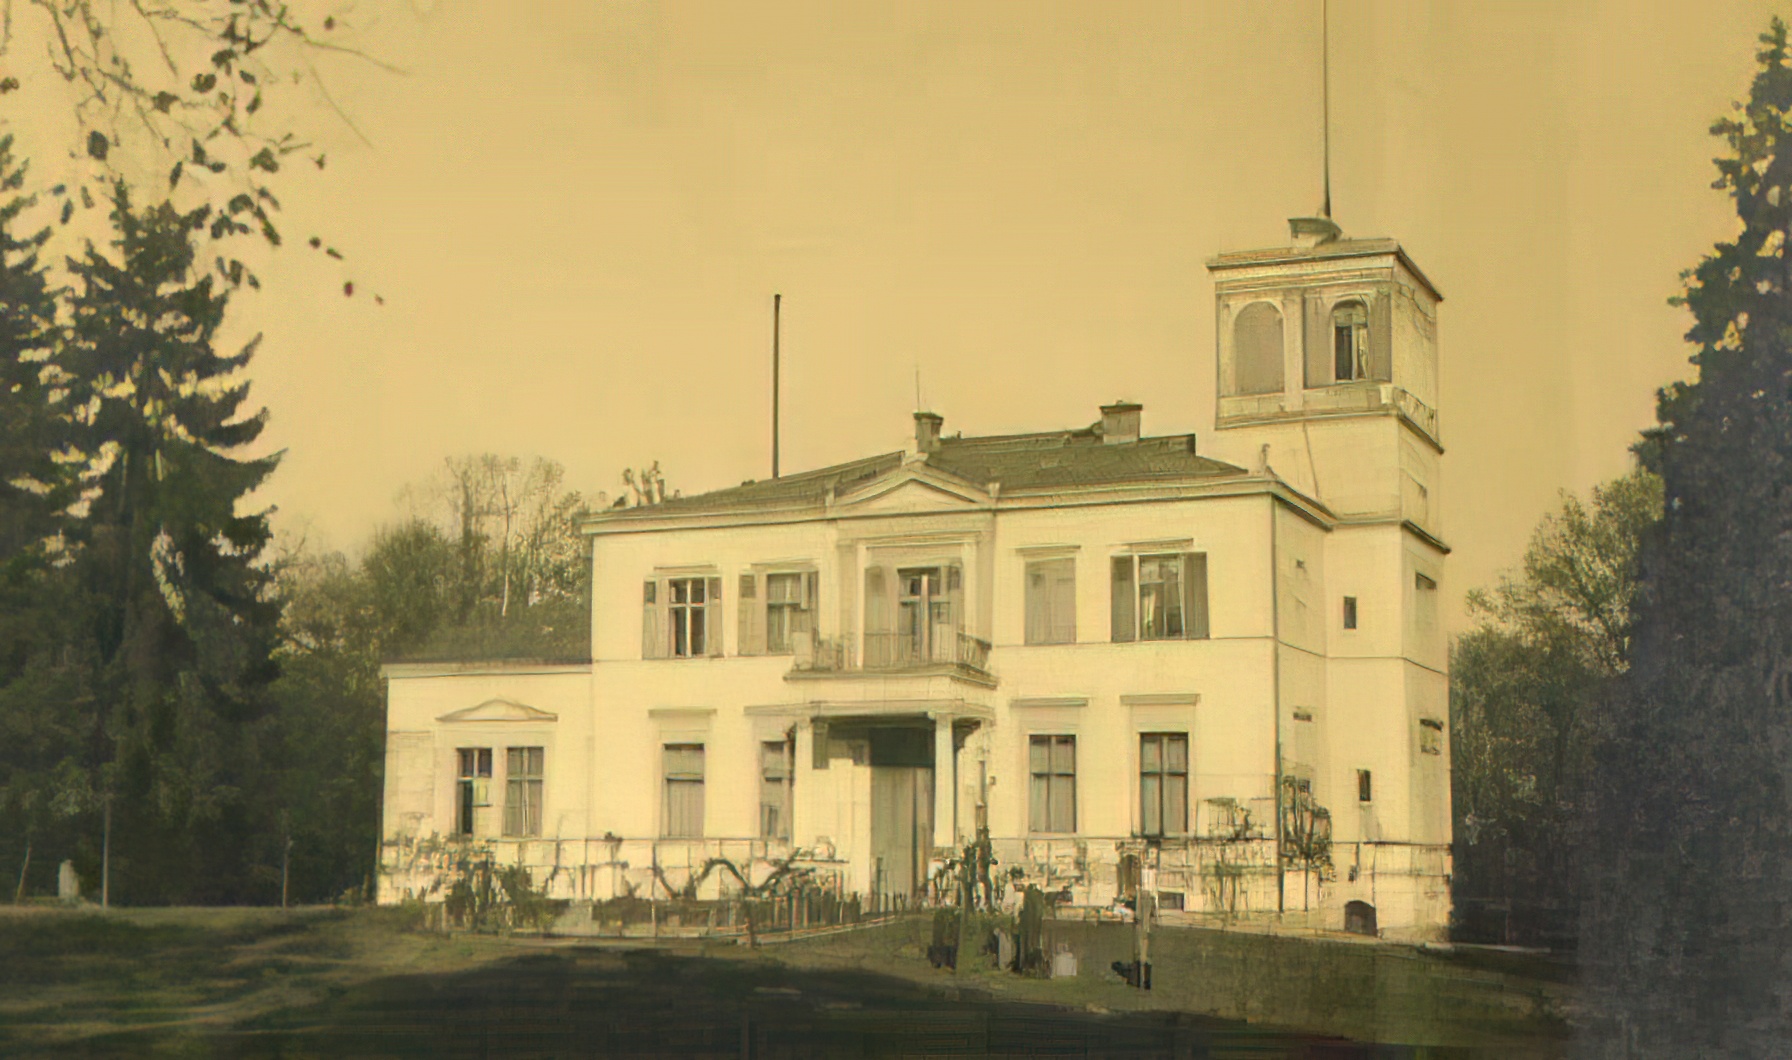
<point x="877" y="601"/>
<point x="1318" y="343"/>
<point x="1381" y="338"/>
<point x="1194" y="590"/>
<point x="653" y="637"/>
<point x="1038" y="604"/>
<point x="955" y="602"/>
<point x="712" y="617"/>
<point x="1064" y="602"/>
<point x="751" y="627"/>
<point x="1125" y="600"/>
<point x="805" y="618"/>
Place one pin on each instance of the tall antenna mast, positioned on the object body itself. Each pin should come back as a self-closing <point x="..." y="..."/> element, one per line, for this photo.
<point x="1325" y="76"/>
<point x="776" y="300"/>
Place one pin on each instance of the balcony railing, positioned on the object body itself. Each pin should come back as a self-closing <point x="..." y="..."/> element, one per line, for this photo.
<point x="885" y="652"/>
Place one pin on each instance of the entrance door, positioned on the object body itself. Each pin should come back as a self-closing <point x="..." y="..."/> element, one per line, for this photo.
<point x="901" y="829"/>
<point x="901" y="810"/>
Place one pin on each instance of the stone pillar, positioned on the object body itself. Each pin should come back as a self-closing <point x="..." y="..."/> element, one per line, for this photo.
<point x="945" y="783"/>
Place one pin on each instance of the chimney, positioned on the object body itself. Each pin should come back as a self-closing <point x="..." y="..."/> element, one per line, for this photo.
<point x="927" y="431"/>
<point x="1120" y="422"/>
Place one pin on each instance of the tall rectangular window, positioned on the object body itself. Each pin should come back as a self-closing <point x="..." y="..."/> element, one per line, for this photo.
<point x="784" y="611"/>
<point x="682" y="813"/>
<point x="1160" y="597"/>
<point x="1163" y="783"/>
<point x="1052" y="765"/>
<point x="522" y="794"/>
<point x="1365" y="786"/>
<point x="1051" y="601"/>
<point x="774" y="789"/>
<point x="688" y="615"/>
<point x="1350" y="612"/>
<point x="1350" y="341"/>
<point x="474" y="788"/>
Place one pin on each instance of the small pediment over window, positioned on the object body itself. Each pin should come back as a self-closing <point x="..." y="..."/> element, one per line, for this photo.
<point x="499" y="710"/>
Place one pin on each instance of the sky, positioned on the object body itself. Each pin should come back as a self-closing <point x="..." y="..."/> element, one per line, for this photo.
<point x="577" y="213"/>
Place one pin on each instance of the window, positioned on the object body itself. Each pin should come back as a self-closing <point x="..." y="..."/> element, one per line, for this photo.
<point x="1257" y="350"/>
<point x="1350" y="612"/>
<point x="522" y="796"/>
<point x="1160" y="597"/>
<point x="688" y="614"/>
<point x="1431" y="736"/>
<point x="928" y="602"/>
<point x="774" y="789"/>
<point x="1052" y="763"/>
<point x="1423" y="582"/>
<point x="474" y="789"/>
<point x="681" y="618"/>
<point x="1051" y="601"/>
<point x="777" y="610"/>
<point x="1365" y="786"/>
<point x="1350" y="342"/>
<point x="1163" y="783"/>
<point x="785" y="611"/>
<point x="683" y="812"/>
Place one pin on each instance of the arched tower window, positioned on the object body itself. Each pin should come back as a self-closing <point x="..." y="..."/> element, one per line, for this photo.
<point x="1350" y="341"/>
<point x="1257" y="349"/>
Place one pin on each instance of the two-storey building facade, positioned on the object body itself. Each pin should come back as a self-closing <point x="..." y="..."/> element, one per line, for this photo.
<point x="1110" y="651"/>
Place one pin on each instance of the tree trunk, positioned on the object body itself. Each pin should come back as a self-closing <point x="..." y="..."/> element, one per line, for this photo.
<point x="19" y="894"/>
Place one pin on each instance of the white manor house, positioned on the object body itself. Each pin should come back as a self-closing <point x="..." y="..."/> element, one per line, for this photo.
<point x="1099" y="644"/>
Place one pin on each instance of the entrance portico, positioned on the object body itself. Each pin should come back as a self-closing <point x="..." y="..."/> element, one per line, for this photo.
<point x="877" y="783"/>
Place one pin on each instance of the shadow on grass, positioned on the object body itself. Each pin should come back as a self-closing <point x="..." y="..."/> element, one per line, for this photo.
<point x="587" y="1002"/>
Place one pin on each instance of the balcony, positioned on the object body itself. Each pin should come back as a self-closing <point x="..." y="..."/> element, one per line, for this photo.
<point x="1358" y="396"/>
<point x="947" y="648"/>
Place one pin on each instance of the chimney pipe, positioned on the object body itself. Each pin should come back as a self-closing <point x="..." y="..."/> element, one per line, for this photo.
<point x="1120" y="422"/>
<point x="927" y="431"/>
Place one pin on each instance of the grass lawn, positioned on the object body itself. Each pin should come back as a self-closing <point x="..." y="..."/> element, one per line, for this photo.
<point x="327" y="983"/>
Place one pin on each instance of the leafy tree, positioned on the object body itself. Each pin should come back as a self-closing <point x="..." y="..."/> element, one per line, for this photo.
<point x="518" y="584"/>
<point x="180" y="619"/>
<point x="1550" y="637"/>
<point x="498" y="572"/>
<point x="199" y="93"/>
<point x="1687" y="938"/>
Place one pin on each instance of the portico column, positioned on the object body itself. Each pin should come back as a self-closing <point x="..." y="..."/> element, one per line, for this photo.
<point x="945" y="783"/>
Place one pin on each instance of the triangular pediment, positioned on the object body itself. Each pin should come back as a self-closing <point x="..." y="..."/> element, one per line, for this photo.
<point x="915" y="488"/>
<point x="499" y="710"/>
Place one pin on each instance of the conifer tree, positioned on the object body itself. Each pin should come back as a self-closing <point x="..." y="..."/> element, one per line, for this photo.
<point x="1687" y="935"/>
<point x="181" y="619"/>
<point x="34" y="486"/>
<point x="38" y="748"/>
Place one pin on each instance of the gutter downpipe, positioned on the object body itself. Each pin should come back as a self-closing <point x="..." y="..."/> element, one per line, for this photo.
<point x="1275" y="648"/>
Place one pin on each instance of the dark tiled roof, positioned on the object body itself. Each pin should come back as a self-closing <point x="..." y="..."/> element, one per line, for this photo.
<point x="807" y="487"/>
<point x="1067" y="459"/>
<point x="1055" y="459"/>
